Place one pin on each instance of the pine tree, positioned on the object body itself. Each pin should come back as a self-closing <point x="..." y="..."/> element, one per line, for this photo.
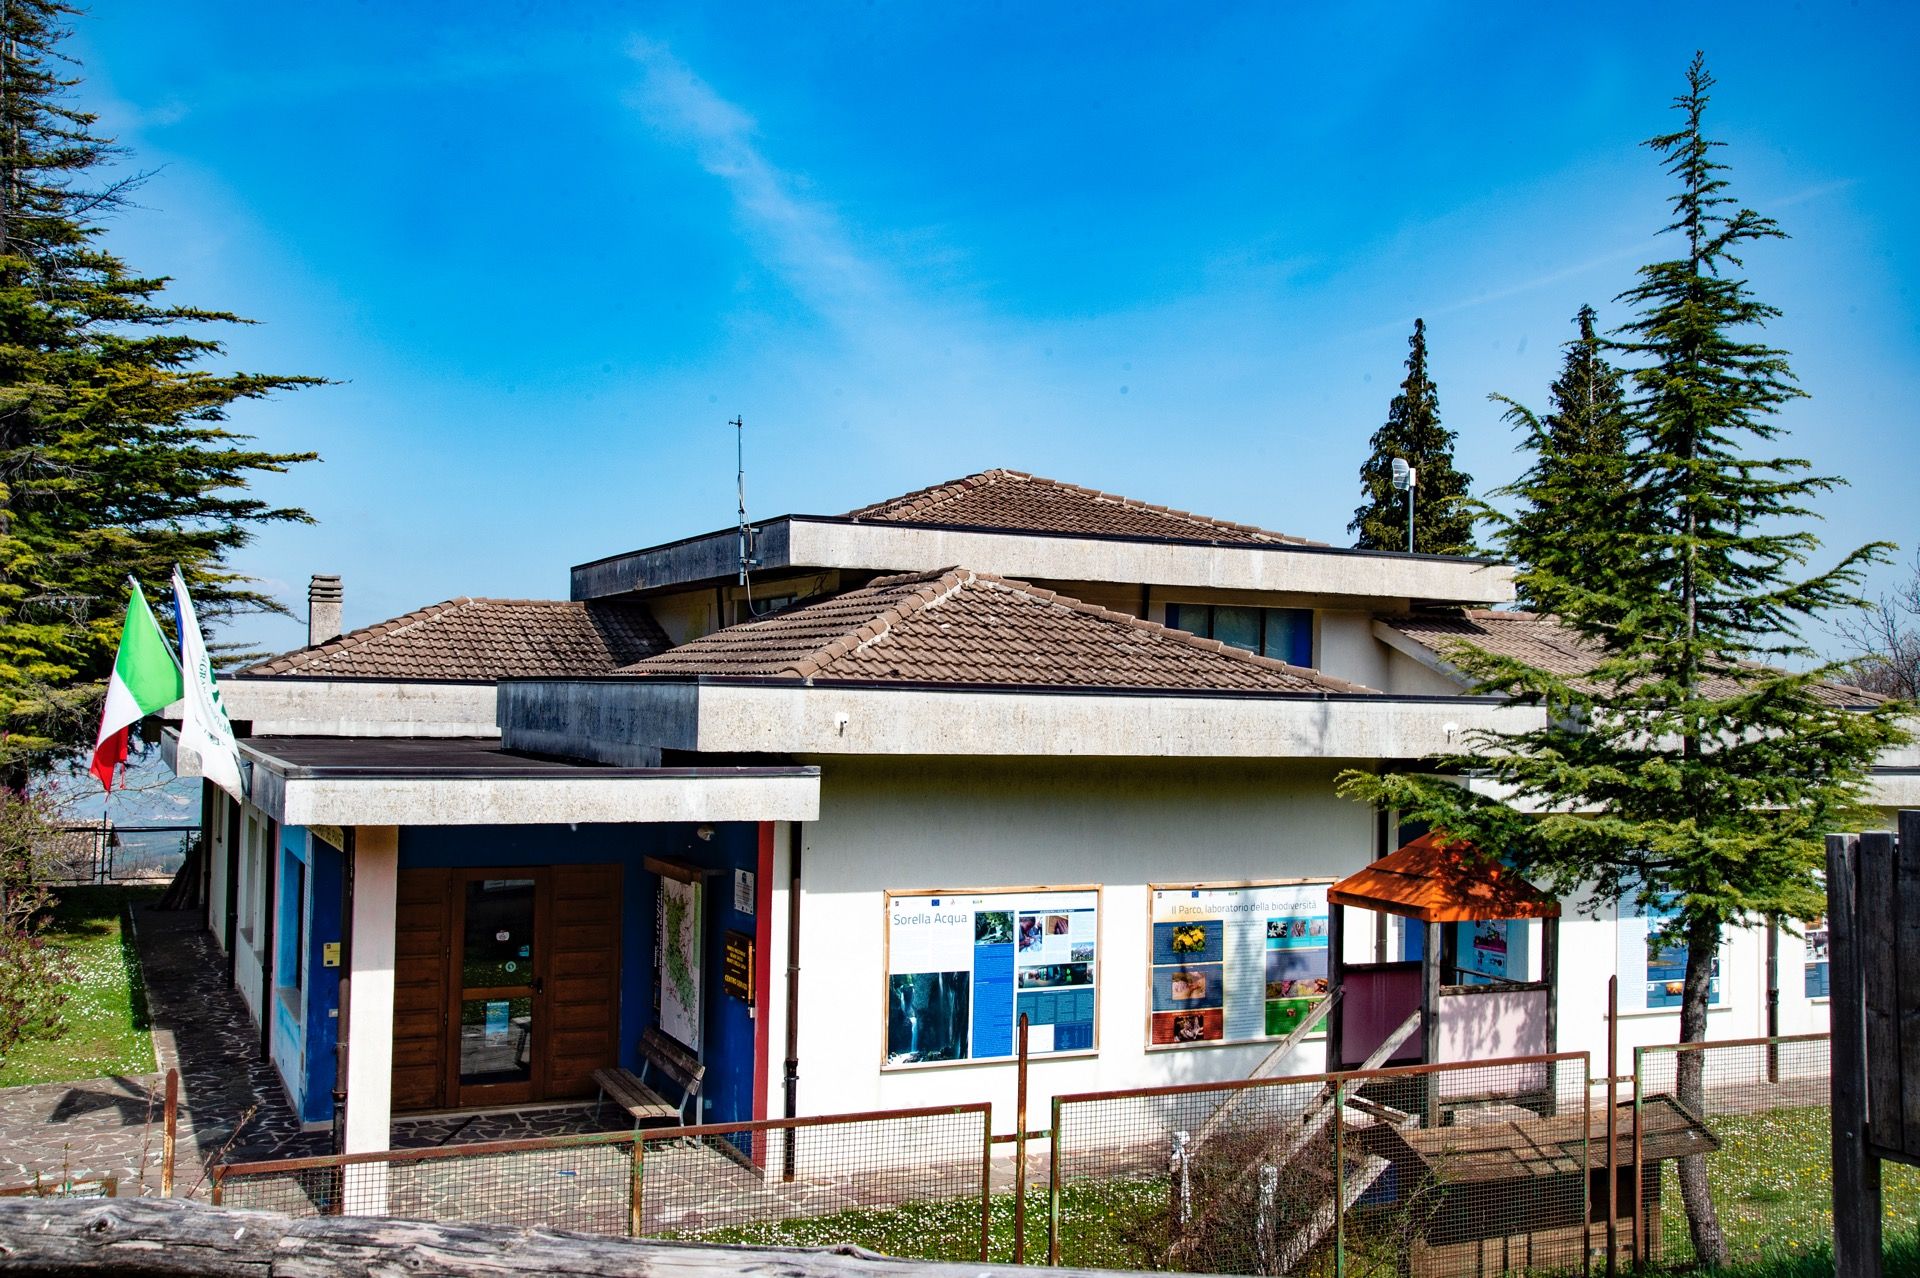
<point x="1579" y="447"/>
<point x="1442" y="522"/>
<point x="1683" y="770"/>
<point x="113" y="456"/>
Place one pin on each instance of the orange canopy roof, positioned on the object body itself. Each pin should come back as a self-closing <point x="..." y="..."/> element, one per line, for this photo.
<point x="1443" y="882"/>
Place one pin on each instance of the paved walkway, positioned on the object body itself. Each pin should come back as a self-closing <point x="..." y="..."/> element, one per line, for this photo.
<point x="111" y="1126"/>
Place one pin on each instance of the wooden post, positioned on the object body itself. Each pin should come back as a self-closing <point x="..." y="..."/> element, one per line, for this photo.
<point x="1336" y="981"/>
<point x="1856" y="1172"/>
<point x="1020" y="1150"/>
<point x="1431" y="974"/>
<point x="169" y="1132"/>
<point x="1613" y="1126"/>
<point x="637" y="1191"/>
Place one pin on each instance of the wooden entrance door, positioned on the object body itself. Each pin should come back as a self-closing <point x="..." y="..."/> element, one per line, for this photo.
<point x="506" y="984"/>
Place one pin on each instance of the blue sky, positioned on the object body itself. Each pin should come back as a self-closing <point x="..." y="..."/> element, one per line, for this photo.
<point x="1172" y="251"/>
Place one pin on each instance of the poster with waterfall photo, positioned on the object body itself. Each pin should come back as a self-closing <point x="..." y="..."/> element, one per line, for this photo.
<point x="962" y="967"/>
<point x="677" y="956"/>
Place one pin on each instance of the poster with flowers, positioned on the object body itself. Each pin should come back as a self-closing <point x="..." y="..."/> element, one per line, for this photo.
<point x="1233" y="963"/>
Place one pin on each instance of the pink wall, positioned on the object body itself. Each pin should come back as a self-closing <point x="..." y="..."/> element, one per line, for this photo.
<point x="1483" y="1027"/>
<point x="1376" y="1001"/>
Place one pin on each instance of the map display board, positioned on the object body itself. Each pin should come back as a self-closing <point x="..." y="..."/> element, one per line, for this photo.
<point x="962" y="966"/>
<point x="677" y="952"/>
<point x="1235" y="963"/>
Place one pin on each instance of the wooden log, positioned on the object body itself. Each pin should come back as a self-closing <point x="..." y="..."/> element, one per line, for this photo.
<point x="175" y="1238"/>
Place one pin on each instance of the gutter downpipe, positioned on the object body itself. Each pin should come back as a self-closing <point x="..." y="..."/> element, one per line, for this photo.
<point x="343" y="998"/>
<point x="1773" y="999"/>
<point x="791" y="1067"/>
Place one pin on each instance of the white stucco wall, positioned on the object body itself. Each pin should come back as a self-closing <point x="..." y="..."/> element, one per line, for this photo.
<point x="982" y="824"/>
<point x="977" y="824"/>
<point x="1344" y="647"/>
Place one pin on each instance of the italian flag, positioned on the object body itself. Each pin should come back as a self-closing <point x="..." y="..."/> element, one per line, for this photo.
<point x="146" y="680"/>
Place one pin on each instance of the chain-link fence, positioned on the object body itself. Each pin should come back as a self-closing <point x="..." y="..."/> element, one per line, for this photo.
<point x="1764" y="1184"/>
<point x="1482" y="1168"/>
<point x="906" y="1182"/>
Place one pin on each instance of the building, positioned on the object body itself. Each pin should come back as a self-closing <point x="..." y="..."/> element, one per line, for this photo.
<point x="1000" y="746"/>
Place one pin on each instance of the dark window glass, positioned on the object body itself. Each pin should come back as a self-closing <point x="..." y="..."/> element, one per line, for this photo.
<point x="1289" y="635"/>
<point x="499" y="933"/>
<point x="1238" y="626"/>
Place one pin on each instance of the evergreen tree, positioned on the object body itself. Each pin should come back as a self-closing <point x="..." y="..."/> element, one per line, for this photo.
<point x="1442" y="521"/>
<point x="1683" y="771"/>
<point x="1580" y="446"/>
<point x="113" y="456"/>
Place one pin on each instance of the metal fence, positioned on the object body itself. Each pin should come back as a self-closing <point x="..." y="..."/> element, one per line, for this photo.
<point x="1767" y="1178"/>
<point x="906" y="1182"/>
<point x="97" y="852"/>
<point x="1481" y="1168"/>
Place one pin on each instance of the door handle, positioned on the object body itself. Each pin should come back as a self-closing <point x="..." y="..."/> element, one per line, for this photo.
<point x="539" y="985"/>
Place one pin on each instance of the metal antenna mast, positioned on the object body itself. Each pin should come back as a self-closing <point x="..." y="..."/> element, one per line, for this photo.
<point x="740" y="491"/>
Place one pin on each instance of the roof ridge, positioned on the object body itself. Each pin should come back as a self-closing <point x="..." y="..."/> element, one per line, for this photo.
<point x="366" y="634"/>
<point x="951" y="581"/>
<point x="919" y="501"/>
<point x="1186" y="516"/>
<point x="939" y="585"/>
<point x="1187" y="637"/>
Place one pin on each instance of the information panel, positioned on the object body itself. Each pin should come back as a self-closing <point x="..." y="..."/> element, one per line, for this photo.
<point x="1237" y="963"/>
<point x="962" y="966"/>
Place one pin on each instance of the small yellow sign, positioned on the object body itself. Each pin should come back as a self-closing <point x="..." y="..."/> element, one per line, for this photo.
<point x="736" y="966"/>
<point x="330" y="954"/>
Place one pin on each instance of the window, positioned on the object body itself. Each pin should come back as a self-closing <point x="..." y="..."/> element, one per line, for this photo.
<point x="292" y="928"/>
<point x="1285" y="634"/>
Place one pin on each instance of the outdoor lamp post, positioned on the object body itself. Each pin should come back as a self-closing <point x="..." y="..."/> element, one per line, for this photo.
<point x="1404" y="478"/>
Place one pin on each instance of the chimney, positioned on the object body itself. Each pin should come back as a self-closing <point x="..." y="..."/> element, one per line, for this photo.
<point x="323" y="608"/>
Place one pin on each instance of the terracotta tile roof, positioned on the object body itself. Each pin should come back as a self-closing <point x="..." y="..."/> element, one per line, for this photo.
<point x="957" y="626"/>
<point x="1443" y="882"/>
<point x="1020" y="502"/>
<point x="1544" y="643"/>
<point x="483" y="639"/>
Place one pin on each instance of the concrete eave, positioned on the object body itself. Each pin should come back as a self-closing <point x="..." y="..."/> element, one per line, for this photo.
<point x="628" y="721"/>
<point x="804" y="542"/>
<point x="584" y="795"/>
<point x="1894" y="788"/>
<point x="295" y="705"/>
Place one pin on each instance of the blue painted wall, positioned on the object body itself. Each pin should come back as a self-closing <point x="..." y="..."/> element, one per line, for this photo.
<point x="288" y="1041"/>
<point x="728" y="1049"/>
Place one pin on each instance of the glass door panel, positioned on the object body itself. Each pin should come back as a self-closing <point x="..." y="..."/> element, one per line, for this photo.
<point x="498" y="985"/>
<point x="496" y="1038"/>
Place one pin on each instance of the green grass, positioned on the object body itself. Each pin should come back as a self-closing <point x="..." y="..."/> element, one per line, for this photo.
<point x="949" y="1229"/>
<point x="1773" y="1188"/>
<point x="105" y="1029"/>
<point x="1772" y="1185"/>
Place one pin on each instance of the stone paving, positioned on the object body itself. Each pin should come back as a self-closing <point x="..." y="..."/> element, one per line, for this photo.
<point x="111" y="1126"/>
<point x="233" y="1109"/>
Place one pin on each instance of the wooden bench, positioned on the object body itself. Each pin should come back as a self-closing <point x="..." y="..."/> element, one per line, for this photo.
<point x="634" y="1092"/>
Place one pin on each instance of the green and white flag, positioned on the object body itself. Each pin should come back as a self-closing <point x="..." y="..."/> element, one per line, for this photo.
<point x="204" y="728"/>
<point x="146" y="680"/>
